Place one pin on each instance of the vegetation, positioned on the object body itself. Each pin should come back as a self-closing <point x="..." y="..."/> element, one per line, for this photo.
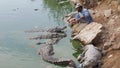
<point x="77" y="47"/>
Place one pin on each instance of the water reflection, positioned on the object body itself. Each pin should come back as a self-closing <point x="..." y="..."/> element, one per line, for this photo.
<point x="57" y="9"/>
<point x="16" y="16"/>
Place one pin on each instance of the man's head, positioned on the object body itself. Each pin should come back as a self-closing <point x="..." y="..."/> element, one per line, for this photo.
<point x="78" y="7"/>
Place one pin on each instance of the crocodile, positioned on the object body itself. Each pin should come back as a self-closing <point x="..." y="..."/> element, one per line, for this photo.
<point x="46" y="52"/>
<point x="52" y="30"/>
<point x="51" y="41"/>
<point x="91" y="57"/>
<point x="50" y="36"/>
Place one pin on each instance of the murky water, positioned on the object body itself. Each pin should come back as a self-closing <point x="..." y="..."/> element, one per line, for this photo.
<point x="16" y="16"/>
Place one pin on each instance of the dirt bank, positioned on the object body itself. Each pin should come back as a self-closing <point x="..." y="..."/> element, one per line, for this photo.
<point x="110" y="37"/>
<point x="107" y="12"/>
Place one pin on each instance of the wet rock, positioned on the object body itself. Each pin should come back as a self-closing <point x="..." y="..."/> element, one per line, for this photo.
<point x="107" y="13"/>
<point x="36" y="9"/>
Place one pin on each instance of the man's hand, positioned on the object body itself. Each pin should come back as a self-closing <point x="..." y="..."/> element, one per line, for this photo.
<point x="72" y="21"/>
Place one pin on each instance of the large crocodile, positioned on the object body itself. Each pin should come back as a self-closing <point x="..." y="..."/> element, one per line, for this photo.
<point x="91" y="57"/>
<point x="46" y="53"/>
<point x="56" y="29"/>
<point x="50" y="36"/>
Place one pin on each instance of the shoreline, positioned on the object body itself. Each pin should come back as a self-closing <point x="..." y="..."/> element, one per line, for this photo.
<point x="108" y="16"/>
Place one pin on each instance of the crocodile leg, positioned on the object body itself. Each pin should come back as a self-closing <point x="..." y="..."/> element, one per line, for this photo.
<point x="99" y="63"/>
<point x="81" y="55"/>
<point x="82" y="60"/>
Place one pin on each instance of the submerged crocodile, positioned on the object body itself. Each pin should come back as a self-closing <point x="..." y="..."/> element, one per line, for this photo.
<point x="50" y="36"/>
<point x="56" y="29"/>
<point x="51" y="41"/>
<point x="46" y="53"/>
<point x="91" y="57"/>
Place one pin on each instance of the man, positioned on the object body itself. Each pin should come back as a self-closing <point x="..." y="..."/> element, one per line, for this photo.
<point x="82" y="15"/>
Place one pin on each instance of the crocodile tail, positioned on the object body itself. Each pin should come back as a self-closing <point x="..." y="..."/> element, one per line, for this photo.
<point x="60" y="61"/>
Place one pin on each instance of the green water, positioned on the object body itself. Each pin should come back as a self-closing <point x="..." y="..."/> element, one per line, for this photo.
<point x="16" y="16"/>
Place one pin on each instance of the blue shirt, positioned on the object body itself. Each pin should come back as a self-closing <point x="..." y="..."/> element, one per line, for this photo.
<point x="87" y="15"/>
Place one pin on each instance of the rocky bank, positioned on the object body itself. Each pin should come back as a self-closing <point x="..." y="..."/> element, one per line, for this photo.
<point x="107" y="13"/>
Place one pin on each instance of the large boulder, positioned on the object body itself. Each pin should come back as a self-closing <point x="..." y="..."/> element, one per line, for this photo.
<point x="90" y="31"/>
<point x="78" y="27"/>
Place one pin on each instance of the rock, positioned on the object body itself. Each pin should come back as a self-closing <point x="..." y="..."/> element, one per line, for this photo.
<point x="118" y="29"/>
<point x="116" y="47"/>
<point x="118" y="8"/>
<point x="90" y="31"/>
<point x="107" y="13"/>
<point x="114" y="4"/>
<point x="110" y="41"/>
<point x="115" y="17"/>
<point x="78" y="27"/>
<point x="91" y="11"/>
<point x="48" y="67"/>
<point x="98" y="14"/>
<point x="107" y="45"/>
<point x="99" y="3"/>
<point x="110" y="56"/>
<point x="36" y="9"/>
<point x="111" y="22"/>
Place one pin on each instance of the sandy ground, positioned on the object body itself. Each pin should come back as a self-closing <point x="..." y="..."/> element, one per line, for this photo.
<point x="110" y="36"/>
